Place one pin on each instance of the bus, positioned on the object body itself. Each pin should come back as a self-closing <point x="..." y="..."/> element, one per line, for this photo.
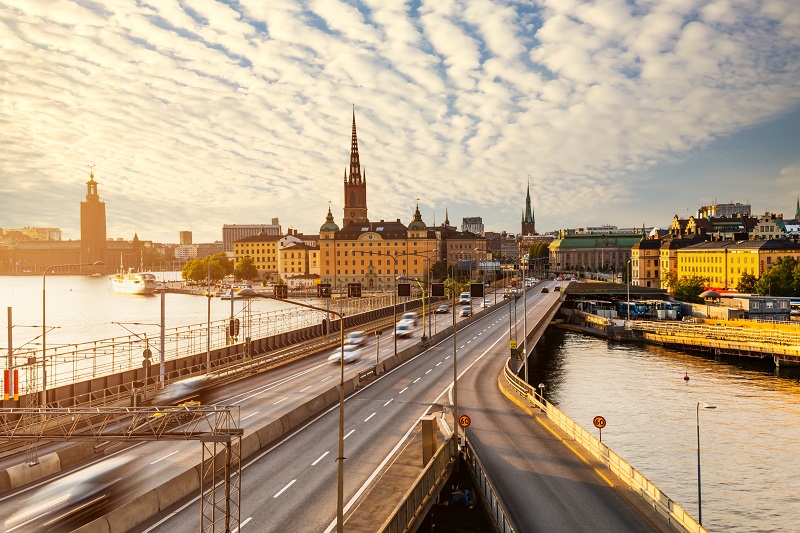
<point x="637" y="309"/>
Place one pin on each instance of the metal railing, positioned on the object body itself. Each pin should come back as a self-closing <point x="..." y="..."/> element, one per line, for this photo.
<point x="410" y="507"/>
<point x="492" y="504"/>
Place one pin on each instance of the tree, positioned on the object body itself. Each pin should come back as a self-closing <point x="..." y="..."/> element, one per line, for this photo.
<point x="783" y="279"/>
<point x="198" y="269"/>
<point x="689" y="289"/>
<point x="747" y="283"/>
<point x="670" y="278"/>
<point x="439" y="270"/>
<point x="246" y="269"/>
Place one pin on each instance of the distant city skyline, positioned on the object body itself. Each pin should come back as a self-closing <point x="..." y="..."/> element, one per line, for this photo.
<point x="201" y="114"/>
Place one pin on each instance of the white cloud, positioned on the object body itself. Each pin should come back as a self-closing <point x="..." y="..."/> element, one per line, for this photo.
<point x="189" y="106"/>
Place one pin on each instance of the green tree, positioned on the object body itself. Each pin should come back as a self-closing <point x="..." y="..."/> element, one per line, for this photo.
<point x="198" y="269"/>
<point x="747" y="283"/>
<point x="246" y="269"/>
<point x="783" y="279"/>
<point x="439" y="270"/>
<point x="151" y="257"/>
<point x="689" y="289"/>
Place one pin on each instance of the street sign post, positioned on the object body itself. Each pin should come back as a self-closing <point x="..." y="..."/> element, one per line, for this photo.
<point x="599" y="422"/>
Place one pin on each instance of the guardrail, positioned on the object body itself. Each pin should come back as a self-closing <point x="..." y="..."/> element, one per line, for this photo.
<point x="409" y="510"/>
<point x="491" y="503"/>
<point x="627" y="473"/>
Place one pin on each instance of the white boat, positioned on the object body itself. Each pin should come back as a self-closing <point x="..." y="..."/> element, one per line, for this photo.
<point x="131" y="282"/>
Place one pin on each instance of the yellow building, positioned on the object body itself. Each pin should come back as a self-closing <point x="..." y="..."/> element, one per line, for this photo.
<point x="263" y="249"/>
<point x="375" y="253"/>
<point x="723" y="263"/>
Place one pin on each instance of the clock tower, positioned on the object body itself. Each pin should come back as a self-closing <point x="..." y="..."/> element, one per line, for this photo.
<point x="355" y="187"/>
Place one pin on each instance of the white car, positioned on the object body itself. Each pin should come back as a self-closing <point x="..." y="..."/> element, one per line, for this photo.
<point x="410" y="317"/>
<point x="352" y="353"/>
<point x="356" y="338"/>
<point x="404" y="329"/>
<point x="486" y="303"/>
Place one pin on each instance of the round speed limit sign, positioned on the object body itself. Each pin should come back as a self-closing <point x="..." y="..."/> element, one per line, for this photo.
<point x="599" y="422"/>
<point x="464" y="421"/>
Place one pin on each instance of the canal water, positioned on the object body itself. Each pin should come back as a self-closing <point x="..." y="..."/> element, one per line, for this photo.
<point x="85" y="308"/>
<point x="749" y="444"/>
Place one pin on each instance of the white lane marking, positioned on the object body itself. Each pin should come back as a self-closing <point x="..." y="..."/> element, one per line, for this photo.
<point x="429" y="371"/>
<point x="169" y="455"/>
<point x="284" y="488"/>
<point x="303" y="390"/>
<point x="281" y="400"/>
<point x="415" y="380"/>
<point x="327" y="378"/>
<point x="258" y="390"/>
<point x="349" y="433"/>
<point x="251" y="414"/>
<point x="387" y="403"/>
<point x="439" y="363"/>
<point x="321" y="457"/>
<point x="448" y="357"/>
<point x="246" y="520"/>
<point x="370" y="416"/>
<point x="402" y="391"/>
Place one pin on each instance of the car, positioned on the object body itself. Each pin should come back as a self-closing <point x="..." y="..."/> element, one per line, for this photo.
<point x="356" y="338"/>
<point x="410" y="317"/>
<point x="442" y="310"/>
<point x="545" y="289"/>
<point x="486" y="303"/>
<point x="352" y="353"/>
<point x="506" y="296"/>
<point x="465" y="311"/>
<point x="404" y="329"/>
<point x="557" y="288"/>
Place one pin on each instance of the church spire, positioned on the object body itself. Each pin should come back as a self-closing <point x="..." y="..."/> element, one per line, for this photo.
<point x="446" y="217"/>
<point x="355" y="164"/>
<point x="797" y="210"/>
<point x="528" y="222"/>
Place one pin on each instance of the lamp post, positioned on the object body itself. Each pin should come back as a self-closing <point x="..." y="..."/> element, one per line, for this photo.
<point x="628" y="274"/>
<point x="208" y="317"/>
<point x="44" y="320"/>
<point x="541" y="394"/>
<point x="340" y="459"/>
<point x="699" y="492"/>
<point x="393" y="257"/>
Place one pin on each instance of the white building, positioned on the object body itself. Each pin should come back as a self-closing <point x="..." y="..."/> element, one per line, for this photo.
<point x="186" y="252"/>
<point x="235" y="232"/>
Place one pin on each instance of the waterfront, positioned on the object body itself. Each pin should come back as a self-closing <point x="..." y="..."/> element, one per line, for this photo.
<point x="750" y="444"/>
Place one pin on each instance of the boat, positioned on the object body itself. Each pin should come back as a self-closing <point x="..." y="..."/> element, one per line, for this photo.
<point x="227" y="295"/>
<point x="132" y="282"/>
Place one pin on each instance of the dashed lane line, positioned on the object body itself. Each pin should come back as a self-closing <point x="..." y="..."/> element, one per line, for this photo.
<point x="284" y="488"/>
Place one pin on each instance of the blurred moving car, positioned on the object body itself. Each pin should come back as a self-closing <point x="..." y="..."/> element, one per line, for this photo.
<point x="356" y="338"/>
<point x="465" y="311"/>
<point x="181" y="391"/>
<point x="404" y="329"/>
<point x="410" y="317"/>
<point x="442" y="310"/>
<point x="545" y="289"/>
<point x="486" y="303"/>
<point x="352" y="353"/>
<point x="79" y="497"/>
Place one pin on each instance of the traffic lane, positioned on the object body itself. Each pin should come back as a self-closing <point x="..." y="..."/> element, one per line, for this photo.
<point x="544" y="486"/>
<point x="298" y="476"/>
<point x="399" y="390"/>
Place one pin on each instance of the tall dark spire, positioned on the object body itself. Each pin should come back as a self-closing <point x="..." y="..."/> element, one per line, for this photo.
<point x="528" y="222"/>
<point x="528" y="208"/>
<point x="355" y="164"/>
<point x="797" y="210"/>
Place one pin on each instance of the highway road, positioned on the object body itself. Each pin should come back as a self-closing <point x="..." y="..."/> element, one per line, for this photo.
<point x="262" y="398"/>
<point x="292" y="485"/>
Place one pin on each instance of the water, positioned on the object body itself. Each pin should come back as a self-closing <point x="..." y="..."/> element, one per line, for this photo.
<point x="749" y="444"/>
<point x="85" y="308"/>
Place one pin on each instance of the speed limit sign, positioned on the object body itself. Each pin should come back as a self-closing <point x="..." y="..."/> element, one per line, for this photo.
<point x="464" y="421"/>
<point x="599" y="422"/>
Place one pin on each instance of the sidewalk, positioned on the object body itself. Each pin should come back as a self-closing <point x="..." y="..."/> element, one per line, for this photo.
<point x="378" y="502"/>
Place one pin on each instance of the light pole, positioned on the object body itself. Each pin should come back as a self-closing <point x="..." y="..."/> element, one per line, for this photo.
<point x="208" y="320"/>
<point x="44" y="321"/>
<point x="340" y="459"/>
<point x="699" y="492"/>
<point x="541" y="394"/>
<point x="628" y="273"/>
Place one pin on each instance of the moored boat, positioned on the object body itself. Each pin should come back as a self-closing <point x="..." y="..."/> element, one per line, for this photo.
<point x="131" y="282"/>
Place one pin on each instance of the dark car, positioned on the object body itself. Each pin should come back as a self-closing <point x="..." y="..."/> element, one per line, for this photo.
<point x="545" y="289"/>
<point x="441" y="310"/>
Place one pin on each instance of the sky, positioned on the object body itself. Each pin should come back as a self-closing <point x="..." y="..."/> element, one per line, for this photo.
<point x="199" y="113"/>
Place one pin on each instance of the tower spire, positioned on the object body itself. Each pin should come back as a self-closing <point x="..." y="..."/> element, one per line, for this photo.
<point x="528" y="221"/>
<point x="355" y="163"/>
<point x="797" y="210"/>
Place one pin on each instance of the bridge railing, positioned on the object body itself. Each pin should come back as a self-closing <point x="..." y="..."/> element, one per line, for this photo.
<point x="411" y="507"/>
<point x="664" y="505"/>
<point x="492" y="503"/>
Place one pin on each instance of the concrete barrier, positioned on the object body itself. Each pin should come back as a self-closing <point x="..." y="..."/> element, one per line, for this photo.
<point x="23" y="474"/>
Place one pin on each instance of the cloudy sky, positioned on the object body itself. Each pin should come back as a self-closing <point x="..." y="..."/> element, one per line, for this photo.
<point x="198" y="113"/>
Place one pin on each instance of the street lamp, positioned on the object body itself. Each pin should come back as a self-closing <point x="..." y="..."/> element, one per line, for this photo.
<point x="393" y="257"/>
<point x="340" y="460"/>
<point x="541" y="394"/>
<point x="628" y="274"/>
<point x="44" y="321"/>
<point x="699" y="495"/>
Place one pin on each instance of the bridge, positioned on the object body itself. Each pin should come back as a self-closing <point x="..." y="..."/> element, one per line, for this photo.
<point x="536" y="469"/>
